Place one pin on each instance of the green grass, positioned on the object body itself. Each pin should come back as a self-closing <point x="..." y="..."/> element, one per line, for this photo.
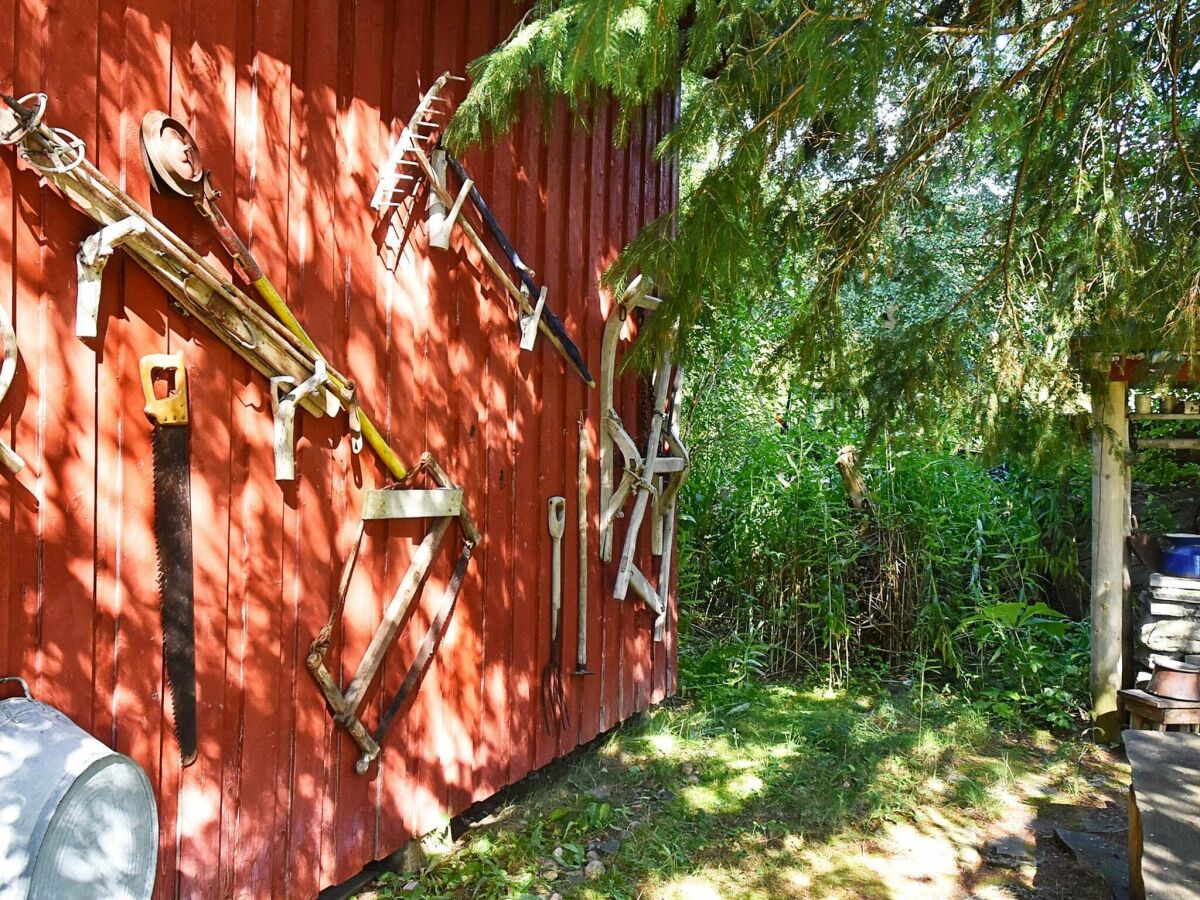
<point x="750" y="790"/>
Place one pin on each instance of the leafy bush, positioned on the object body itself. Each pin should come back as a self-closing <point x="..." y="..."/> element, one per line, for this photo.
<point x="956" y="569"/>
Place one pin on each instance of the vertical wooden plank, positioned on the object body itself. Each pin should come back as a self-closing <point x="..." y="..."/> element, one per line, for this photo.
<point x="10" y="406"/>
<point x="358" y="102"/>
<point x="461" y="654"/>
<point x="105" y="153"/>
<point x="246" y="402"/>
<point x="200" y="52"/>
<point x="530" y="616"/>
<point x="404" y="797"/>
<point x="643" y="637"/>
<point x="452" y="680"/>
<point x="592" y="325"/>
<point x="506" y="362"/>
<point x="29" y="387"/>
<point x="547" y="402"/>
<point x="413" y="788"/>
<point x="423" y="763"/>
<point x="558" y="422"/>
<point x="1110" y="573"/>
<point x="262" y="109"/>
<point x="314" y="541"/>
<point x="574" y="312"/>
<point x="499" y="360"/>
<point x="633" y="392"/>
<point x="327" y="65"/>
<point x="614" y="612"/>
<point x="68" y="513"/>
<point x="324" y="528"/>
<point x="144" y="719"/>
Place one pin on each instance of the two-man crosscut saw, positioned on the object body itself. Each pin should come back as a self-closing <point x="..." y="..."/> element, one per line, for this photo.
<point x="418" y="148"/>
<point x="173" y="535"/>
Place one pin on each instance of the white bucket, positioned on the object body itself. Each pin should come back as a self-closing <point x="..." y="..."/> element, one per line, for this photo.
<point x="76" y="819"/>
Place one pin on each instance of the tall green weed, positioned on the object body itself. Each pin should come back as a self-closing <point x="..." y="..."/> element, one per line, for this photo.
<point x="956" y="571"/>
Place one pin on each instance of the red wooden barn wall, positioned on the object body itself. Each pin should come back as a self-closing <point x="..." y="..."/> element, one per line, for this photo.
<point x="295" y="105"/>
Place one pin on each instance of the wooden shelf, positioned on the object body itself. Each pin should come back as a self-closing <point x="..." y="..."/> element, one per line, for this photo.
<point x="1169" y="444"/>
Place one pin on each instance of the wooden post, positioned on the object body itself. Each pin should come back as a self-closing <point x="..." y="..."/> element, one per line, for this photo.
<point x="1110" y="572"/>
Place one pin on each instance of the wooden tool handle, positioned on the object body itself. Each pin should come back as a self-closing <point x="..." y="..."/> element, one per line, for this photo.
<point x="173" y="408"/>
<point x="557" y="509"/>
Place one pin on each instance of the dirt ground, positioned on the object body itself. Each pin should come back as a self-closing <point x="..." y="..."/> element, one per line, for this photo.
<point x="1011" y="854"/>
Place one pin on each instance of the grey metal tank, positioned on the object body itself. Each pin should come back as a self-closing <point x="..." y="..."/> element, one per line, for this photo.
<point x="76" y="819"/>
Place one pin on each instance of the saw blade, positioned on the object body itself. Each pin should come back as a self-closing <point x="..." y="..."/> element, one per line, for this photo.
<point x="173" y="534"/>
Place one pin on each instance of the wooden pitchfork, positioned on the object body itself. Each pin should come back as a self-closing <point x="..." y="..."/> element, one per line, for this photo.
<point x="554" y="706"/>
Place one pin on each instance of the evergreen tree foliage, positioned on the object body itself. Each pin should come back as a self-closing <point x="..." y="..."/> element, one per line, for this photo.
<point x="945" y="198"/>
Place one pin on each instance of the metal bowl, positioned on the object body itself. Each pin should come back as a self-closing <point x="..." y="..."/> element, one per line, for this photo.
<point x="1175" y="680"/>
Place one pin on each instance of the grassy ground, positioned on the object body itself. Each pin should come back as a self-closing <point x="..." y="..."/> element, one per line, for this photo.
<point x="765" y="791"/>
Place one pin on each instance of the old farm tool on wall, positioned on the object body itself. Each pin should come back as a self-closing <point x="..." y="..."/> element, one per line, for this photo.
<point x="173" y="535"/>
<point x="198" y="288"/>
<point x="554" y="705"/>
<point x="444" y="505"/>
<point x="654" y="475"/>
<point x="581" y="640"/>
<point x="8" y="370"/>
<point x="415" y="156"/>
<point x="172" y="158"/>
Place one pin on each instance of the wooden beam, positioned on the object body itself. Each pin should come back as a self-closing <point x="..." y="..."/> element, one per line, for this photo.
<point x="1110" y="573"/>
<point x="1169" y="444"/>
<point x="412" y="504"/>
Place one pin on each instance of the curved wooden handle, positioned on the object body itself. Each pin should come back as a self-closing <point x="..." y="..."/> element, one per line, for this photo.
<point x="173" y="408"/>
<point x="557" y="510"/>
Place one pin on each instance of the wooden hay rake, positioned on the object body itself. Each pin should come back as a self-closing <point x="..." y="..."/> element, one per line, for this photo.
<point x="416" y="157"/>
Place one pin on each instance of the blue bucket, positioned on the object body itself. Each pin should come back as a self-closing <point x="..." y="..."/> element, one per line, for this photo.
<point x="1181" y="558"/>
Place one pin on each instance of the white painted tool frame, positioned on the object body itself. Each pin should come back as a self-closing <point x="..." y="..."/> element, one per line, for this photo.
<point x="8" y="370"/>
<point x="653" y="476"/>
<point x="444" y="504"/>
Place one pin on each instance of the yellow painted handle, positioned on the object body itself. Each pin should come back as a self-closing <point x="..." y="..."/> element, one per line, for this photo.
<point x="173" y="408"/>
<point x="371" y="434"/>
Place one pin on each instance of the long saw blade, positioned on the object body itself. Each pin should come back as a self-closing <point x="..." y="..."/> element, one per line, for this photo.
<point x="173" y="534"/>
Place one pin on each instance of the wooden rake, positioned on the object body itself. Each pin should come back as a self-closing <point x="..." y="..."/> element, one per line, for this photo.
<point x="417" y="157"/>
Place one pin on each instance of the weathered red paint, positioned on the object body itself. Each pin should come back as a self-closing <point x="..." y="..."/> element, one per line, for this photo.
<point x="295" y="106"/>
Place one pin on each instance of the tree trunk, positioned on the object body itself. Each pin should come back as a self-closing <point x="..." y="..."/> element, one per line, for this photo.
<point x="856" y="488"/>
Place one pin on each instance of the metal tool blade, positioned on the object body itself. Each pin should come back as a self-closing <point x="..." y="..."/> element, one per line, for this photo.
<point x="173" y="534"/>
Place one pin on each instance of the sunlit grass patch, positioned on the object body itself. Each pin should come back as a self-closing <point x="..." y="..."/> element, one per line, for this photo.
<point x="749" y="790"/>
